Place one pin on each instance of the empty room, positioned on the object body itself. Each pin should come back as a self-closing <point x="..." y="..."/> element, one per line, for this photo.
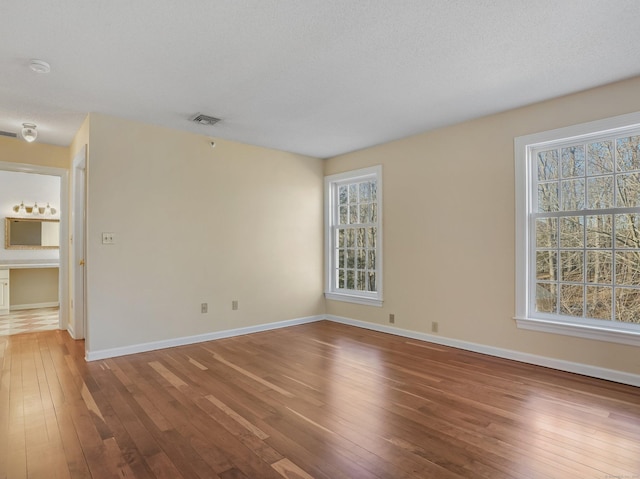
<point x="328" y="240"/>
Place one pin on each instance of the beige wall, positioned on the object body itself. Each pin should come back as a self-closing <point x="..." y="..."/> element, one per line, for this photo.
<point x="192" y="225"/>
<point x="19" y="151"/>
<point x="31" y="286"/>
<point x="449" y="227"/>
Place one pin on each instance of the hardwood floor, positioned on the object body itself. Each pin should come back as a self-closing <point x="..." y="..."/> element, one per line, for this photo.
<point x="321" y="400"/>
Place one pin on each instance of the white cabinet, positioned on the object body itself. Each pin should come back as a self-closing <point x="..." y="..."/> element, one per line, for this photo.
<point x="4" y="291"/>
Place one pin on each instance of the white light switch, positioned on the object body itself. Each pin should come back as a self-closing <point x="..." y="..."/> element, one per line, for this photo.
<point x="108" y="238"/>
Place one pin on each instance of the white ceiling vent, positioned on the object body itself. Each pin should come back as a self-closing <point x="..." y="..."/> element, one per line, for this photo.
<point x="9" y="134"/>
<point x="205" y="119"/>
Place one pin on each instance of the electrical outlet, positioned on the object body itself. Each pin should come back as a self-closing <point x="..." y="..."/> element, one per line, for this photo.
<point x="204" y="308"/>
<point x="108" y="238"/>
<point x="234" y="304"/>
<point x="392" y="318"/>
<point x="434" y="326"/>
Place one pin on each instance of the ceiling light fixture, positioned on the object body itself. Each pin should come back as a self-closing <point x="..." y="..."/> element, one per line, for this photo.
<point x="29" y="132"/>
<point x="39" y="66"/>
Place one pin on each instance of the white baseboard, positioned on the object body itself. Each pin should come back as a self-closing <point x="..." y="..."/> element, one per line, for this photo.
<point x="559" y="364"/>
<point x="18" y="307"/>
<point x="200" y="338"/>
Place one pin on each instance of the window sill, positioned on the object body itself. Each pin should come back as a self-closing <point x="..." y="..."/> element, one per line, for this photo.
<point x="348" y="298"/>
<point x="599" y="333"/>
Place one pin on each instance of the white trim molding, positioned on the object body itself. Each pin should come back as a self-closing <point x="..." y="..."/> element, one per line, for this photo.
<point x="559" y="364"/>
<point x="200" y="338"/>
<point x="333" y="291"/>
<point x="63" y="272"/>
<point x="18" y="307"/>
<point x="586" y="331"/>
<point x="525" y="314"/>
<point x="347" y="298"/>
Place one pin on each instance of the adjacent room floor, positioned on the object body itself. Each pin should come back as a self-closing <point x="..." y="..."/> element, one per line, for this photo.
<point x="29" y="320"/>
<point x="321" y="400"/>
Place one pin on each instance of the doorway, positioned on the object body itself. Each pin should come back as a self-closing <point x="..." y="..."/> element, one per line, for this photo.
<point x="63" y="258"/>
<point x="78" y="319"/>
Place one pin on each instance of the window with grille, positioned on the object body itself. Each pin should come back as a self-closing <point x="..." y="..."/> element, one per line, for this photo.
<point x="581" y="232"/>
<point x="353" y="236"/>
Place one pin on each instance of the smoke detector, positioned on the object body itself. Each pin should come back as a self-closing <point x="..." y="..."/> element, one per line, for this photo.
<point x="206" y="120"/>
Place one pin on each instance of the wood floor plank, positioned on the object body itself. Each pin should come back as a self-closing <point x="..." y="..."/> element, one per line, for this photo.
<point x="321" y="401"/>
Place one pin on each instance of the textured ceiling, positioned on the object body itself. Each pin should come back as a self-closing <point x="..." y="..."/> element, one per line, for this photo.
<point x="318" y="77"/>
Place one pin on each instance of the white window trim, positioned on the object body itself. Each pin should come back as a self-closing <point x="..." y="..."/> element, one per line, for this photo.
<point x="523" y="146"/>
<point x="358" y="297"/>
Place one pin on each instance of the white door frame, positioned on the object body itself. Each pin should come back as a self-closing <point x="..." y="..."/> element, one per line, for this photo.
<point x="78" y="283"/>
<point x="63" y="268"/>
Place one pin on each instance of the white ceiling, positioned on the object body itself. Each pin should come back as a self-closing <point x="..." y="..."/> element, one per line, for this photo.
<point x="318" y="77"/>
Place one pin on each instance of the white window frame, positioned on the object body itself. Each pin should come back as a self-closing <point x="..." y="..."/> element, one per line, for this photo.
<point x="525" y="316"/>
<point x="331" y="184"/>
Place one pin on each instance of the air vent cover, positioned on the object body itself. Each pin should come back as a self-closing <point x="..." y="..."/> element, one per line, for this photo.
<point x="205" y="119"/>
<point x="8" y="133"/>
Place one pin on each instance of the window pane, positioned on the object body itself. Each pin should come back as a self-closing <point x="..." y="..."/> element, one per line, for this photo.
<point x="343" y="220"/>
<point x="547" y="232"/>
<point x="351" y="258"/>
<point x="365" y="192"/>
<point x="361" y="237"/>
<point x="361" y="283"/>
<point x="353" y="215"/>
<point x="372" y="282"/>
<point x="341" y="238"/>
<point x="628" y="268"/>
<point x="572" y="232"/>
<point x="599" y="231"/>
<point x="600" y="157"/>
<point x="351" y="279"/>
<point x="343" y="195"/>
<point x="546" y="265"/>
<point x="628" y="158"/>
<point x="599" y="267"/>
<point x="628" y="305"/>
<point x="341" y="279"/>
<point x="547" y="197"/>
<point x="546" y="298"/>
<point x="371" y="237"/>
<point x="351" y="242"/>
<point x="571" y="266"/>
<point x="573" y="161"/>
<point x="374" y="191"/>
<point x="548" y="165"/>
<point x="371" y="264"/>
<point x="571" y="299"/>
<point x="599" y="300"/>
<point x="353" y="193"/>
<point x="341" y="258"/>
<point x="361" y="259"/>
<point x="572" y="194"/>
<point x="628" y="230"/>
<point x="374" y="213"/>
<point x="600" y="192"/>
<point x="364" y="213"/>
<point x="628" y="190"/>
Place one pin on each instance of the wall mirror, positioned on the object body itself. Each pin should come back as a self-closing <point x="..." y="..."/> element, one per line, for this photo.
<point x="31" y="233"/>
